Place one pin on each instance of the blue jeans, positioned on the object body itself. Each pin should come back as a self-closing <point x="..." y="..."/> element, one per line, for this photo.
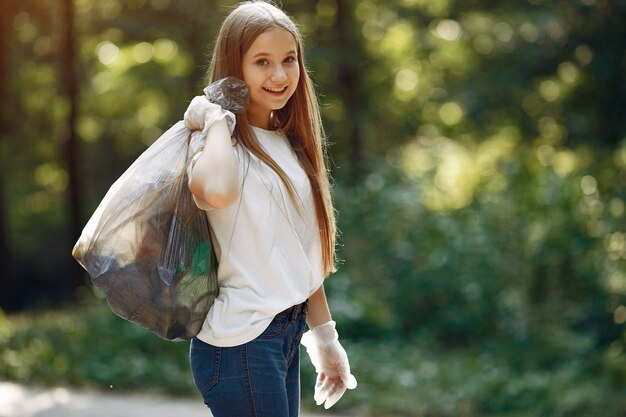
<point x="258" y="379"/>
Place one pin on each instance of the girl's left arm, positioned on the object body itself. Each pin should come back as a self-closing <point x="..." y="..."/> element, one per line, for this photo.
<point x="318" y="311"/>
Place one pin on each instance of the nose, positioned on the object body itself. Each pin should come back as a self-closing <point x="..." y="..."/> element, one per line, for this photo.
<point x="279" y="74"/>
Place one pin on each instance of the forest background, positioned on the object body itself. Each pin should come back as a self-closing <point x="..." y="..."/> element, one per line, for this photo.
<point x="479" y="156"/>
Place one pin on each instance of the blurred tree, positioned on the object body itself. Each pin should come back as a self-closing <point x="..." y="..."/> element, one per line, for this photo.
<point x="71" y="151"/>
<point x="335" y="55"/>
<point x="478" y="151"/>
<point x="553" y="69"/>
<point x="8" y="293"/>
<point x="461" y="122"/>
<point x="37" y="180"/>
<point x="349" y="80"/>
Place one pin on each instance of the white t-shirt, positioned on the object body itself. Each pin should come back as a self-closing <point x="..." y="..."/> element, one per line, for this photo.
<point x="269" y="255"/>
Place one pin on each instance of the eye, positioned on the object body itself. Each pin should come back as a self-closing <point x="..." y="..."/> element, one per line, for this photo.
<point x="290" y="60"/>
<point x="262" y="62"/>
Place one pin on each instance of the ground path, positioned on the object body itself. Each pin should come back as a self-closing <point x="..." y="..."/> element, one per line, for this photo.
<point x="20" y="401"/>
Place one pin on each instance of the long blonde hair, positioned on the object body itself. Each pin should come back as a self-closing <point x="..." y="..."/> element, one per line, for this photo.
<point x="300" y="119"/>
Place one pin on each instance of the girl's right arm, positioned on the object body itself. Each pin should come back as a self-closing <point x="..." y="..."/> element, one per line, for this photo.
<point x="214" y="178"/>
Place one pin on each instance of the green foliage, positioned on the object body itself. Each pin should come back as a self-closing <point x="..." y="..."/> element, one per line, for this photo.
<point x="514" y="276"/>
<point x="502" y="298"/>
<point x="526" y="248"/>
<point x="411" y="378"/>
<point x="480" y="157"/>
<point x="90" y="346"/>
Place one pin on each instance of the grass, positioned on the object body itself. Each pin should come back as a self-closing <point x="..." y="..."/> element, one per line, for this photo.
<point x="88" y="346"/>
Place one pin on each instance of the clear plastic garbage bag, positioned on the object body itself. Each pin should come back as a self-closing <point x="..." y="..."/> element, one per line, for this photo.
<point x="147" y="246"/>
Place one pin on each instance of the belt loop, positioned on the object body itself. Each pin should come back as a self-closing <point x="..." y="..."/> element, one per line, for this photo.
<point x="294" y="312"/>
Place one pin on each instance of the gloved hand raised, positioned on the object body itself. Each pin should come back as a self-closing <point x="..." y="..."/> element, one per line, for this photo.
<point x="202" y="114"/>
<point x="331" y="364"/>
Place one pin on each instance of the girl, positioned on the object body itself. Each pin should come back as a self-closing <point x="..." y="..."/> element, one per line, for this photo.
<point x="264" y="185"/>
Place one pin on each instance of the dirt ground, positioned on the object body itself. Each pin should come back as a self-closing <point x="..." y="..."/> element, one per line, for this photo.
<point x="20" y="401"/>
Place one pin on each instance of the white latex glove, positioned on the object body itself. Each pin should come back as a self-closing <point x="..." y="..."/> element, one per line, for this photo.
<point x="202" y="114"/>
<point x="331" y="364"/>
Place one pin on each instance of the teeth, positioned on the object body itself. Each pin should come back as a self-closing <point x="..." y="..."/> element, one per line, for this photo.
<point x="275" y="90"/>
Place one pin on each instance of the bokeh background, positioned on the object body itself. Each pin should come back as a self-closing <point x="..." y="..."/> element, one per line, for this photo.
<point x="479" y="156"/>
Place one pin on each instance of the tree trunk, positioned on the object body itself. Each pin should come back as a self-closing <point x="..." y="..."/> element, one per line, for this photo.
<point x="192" y="13"/>
<point x="610" y="117"/>
<point x="348" y="77"/>
<point x="70" y="89"/>
<point x="8" y="284"/>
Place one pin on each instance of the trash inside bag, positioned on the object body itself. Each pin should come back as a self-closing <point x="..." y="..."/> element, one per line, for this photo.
<point x="147" y="246"/>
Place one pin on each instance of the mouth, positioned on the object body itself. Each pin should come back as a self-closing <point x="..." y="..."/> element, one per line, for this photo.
<point x="275" y="91"/>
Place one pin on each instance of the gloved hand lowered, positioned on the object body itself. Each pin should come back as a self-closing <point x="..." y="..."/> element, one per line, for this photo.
<point x="331" y="364"/>
<point x="222" y="98"/>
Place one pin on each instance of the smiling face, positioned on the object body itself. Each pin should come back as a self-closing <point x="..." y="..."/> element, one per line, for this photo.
<point x="271" y="70"/>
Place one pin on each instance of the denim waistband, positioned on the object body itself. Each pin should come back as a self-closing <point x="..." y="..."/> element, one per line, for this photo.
<point x="293" y="312"/>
